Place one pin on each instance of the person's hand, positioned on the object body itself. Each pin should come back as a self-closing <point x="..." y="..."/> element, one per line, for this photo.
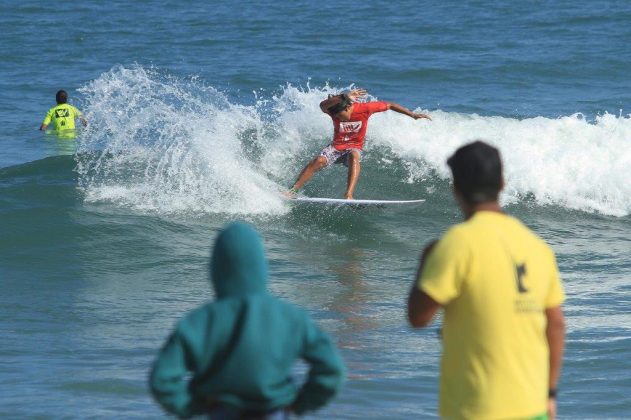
<point x="417" y="116"/>
<point x="355" y="94"/>
<point x="552" y="408"/>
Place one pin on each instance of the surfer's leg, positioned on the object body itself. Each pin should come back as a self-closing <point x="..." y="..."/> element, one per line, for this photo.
<point x="353" y="173"/>
<point x="307" y="173"/>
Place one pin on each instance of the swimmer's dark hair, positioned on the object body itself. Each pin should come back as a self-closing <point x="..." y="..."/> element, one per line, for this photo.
<point x="477" y="172"/>
<point x="61" y="97"/>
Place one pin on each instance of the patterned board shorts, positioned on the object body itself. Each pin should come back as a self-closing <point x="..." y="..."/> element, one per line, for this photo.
<point x="333" y="155"/>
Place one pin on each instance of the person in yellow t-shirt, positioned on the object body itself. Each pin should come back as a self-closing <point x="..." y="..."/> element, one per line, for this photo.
<point x="62" y="115"/>
<point x="498" y="283"/>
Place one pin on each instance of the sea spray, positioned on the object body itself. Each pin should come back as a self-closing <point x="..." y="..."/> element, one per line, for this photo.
<point x="165" y="144"/>
<point x="567" y="161"/>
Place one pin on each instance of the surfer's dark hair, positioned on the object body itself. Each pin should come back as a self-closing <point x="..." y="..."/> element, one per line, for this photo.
<point x="477" y="172"/>
<point x="61" y="97"/>
<point x="340" y="106"/>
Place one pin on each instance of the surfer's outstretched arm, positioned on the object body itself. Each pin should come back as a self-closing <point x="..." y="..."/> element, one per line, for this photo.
<point x="403" y="110"/>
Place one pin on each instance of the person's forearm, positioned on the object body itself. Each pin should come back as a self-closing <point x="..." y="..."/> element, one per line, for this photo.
<point x="329" y="102"/>
<point x="403" y="110"/>
<point x="400" y="109"/>
<point x="555" y="334"/>
<point x="351" y="96"/>
<point x="421" y="307"/>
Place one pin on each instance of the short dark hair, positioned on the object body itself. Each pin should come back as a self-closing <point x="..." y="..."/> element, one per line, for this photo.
<point x="61" y="97"/>
<point x="477" y="172"/>
<point x="340" y="106"/>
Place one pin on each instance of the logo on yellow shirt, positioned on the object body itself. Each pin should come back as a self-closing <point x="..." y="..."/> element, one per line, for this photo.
<point x="520" y="272"/>
<point x="62" y="113"/>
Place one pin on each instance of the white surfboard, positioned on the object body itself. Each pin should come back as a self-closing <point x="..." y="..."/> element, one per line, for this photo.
<point x="357" y="203"/>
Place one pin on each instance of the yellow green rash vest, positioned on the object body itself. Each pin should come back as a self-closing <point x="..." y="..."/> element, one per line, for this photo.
<point x="62" y="117"/>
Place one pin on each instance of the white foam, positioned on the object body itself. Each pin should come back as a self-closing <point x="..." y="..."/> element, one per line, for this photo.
<point x="183" y="146"/>
<point x="172" y="146"/>
<point x="565" y="161"/>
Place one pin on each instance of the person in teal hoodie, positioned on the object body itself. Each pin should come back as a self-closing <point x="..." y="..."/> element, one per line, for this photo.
<point x="233" y="357"/>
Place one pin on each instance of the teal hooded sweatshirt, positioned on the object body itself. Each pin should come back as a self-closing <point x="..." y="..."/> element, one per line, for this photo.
<point x="239" y="349"/>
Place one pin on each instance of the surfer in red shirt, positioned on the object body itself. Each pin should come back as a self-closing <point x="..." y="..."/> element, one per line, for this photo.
<point x="350" y="121"/>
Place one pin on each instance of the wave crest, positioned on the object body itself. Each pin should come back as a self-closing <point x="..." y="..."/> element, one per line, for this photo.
<point x="174" y="145"/>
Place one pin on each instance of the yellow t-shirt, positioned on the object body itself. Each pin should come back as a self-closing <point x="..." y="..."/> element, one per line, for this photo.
<point x="62" y="116"/>
<point x="494" y="278"/>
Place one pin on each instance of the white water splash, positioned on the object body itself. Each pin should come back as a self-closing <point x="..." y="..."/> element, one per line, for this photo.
<point x="566" y="161"/>
<point x="171" y="146"/>
<point x="178" y="146"/>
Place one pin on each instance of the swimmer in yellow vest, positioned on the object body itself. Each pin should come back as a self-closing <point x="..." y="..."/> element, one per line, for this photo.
<point x="63" y="116"/>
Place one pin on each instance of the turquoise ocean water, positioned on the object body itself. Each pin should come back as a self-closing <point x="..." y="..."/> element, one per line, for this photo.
<point x="201" y="111"/>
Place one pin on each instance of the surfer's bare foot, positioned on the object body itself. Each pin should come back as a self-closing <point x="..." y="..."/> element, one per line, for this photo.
<point x="291" y="193"/>
<point x="348" y="196"/>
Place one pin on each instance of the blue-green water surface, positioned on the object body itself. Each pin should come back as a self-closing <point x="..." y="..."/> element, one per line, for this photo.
<point x="200" y="112"/>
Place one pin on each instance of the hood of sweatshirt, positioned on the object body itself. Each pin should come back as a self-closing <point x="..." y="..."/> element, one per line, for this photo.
<point x="238" y="266"/>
